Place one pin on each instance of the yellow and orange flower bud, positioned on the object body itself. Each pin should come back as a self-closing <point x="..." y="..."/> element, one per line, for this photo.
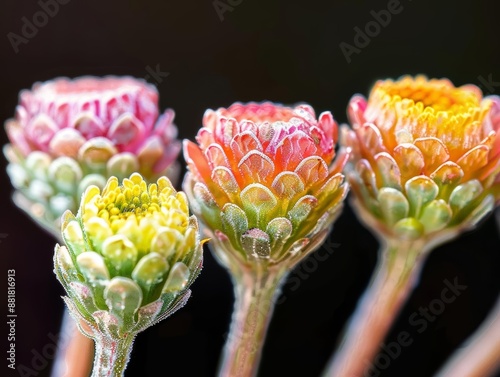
<point x="262" y="181"/>
<point x="425" y="156"/>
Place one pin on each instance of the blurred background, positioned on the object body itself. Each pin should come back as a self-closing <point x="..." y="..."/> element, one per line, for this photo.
<point x="207" y="54"/>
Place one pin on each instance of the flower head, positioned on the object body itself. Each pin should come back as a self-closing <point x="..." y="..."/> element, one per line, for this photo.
<point x="260" y="179"/>
<point x="425" y="155"/>
<point x="68" y="134"/>
<point x="131" y="253"/>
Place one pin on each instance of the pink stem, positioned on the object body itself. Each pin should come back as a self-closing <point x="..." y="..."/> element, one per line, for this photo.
<point x="255" y="294"/>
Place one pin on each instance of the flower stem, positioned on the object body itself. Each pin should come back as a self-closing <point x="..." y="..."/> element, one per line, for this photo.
<point x="481" y="357"/>
<point x="255" y="294"/>
<point x="75" y="351"/>
<point x="393" y="279"/>
<point x="111" y="356"/>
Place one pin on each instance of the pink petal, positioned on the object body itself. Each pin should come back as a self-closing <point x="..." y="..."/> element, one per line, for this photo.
<point x="249" y="126"/>
<point x="66" y="142"/>
<point x="164" y="126"/>
<point x="21" y="115"/>
<point x="225" y="130"/>
<point x="17" y="136"/>
<point x="168" y="157"/>
<point x="324" y="143"/>
<point x="91" y="106"/>
<point x="148" y="109"/>
<point x="205" y="137"/>
<point x="293" y="149"/>
<point x="305" y="111"/>
<point x="62" y="114"/>
<point x="210" y="119"/>
<point x="110" y="110"/>
<point x="126" y="132"/>
<point x="88" y="125"/>
<point x="41" y="130"/>
<point x="356" y="110"/>
<point x="328" y="125"/>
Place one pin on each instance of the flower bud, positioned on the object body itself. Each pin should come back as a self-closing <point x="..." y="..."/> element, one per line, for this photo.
<point x="131" y="253"/>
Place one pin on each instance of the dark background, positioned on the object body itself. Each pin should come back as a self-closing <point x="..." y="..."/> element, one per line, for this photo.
<point x="283" y="51"/>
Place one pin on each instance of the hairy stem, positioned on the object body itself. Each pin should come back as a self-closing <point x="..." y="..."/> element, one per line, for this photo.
<point x="255" y="294"/>
<point x="111" y="356"/>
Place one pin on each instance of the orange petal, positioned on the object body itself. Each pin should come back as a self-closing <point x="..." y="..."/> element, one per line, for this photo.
<point x="216" y="156"/>
<point x="329" y="187"/>
<point x="150" y="152"/>
<point x="434" y="152"/>
<point x="244" y="143"/>
<point x="255" y="166"/>
<point x="371" y="139"/>
<point x="409" y="159"/>
<point x="368" y="177"/>
<point x="388" y="172"/>
<point x="312" y="170"/>
<point x="196" y="161"/>
<point x="287" y="184"/>
<point x="227" y="182"/>
<point x="473" y="160"/>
